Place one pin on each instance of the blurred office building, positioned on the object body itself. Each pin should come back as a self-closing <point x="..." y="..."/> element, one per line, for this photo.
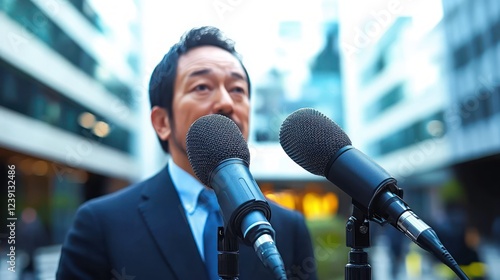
<point x="472" y="31"/>
<point x="302" y="75"/>
<point x="427" y="108"/>
<point x="69" y="107"/>
<point x="396" y="116"/>
<point x="306" y="73"/>
<point x="427" y="103"/>
<point x="397" y="109"/>
<point x="320" y="88"/>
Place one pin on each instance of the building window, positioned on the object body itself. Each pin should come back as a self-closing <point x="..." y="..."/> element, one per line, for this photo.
<point x="391" y="98"/>
<point x="417" y="132"/>
<point x="461" y="56"/>
<point x="29" y="16"/>
<point x="495" y="32"/>
<point x="478" y="45"/>
<point x="25" y="95"/>
<point x="84" y="8"/>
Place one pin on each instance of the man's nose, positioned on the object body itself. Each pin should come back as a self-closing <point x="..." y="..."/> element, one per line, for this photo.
<point x="224" y="103"/>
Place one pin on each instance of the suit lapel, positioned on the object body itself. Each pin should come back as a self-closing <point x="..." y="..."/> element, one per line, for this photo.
<point x="164" y="215"/>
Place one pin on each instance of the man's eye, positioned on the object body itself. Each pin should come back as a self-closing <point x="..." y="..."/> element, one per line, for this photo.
<point x="201" y="88"/>
<point x="238" y="90"/>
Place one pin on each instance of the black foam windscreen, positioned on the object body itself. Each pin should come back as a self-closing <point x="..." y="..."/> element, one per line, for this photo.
<point x="310" y="139"/>
<point x="212" y="139"/>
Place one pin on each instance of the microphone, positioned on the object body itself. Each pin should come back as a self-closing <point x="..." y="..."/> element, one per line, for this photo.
<point x="320" y="146"/>
<point x="219" y="156"/>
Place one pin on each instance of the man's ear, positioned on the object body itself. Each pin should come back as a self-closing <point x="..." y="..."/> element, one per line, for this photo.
<point x="161" y="123"/>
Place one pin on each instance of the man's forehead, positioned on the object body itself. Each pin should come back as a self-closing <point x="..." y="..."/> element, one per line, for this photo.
<point x="208" y="56"/>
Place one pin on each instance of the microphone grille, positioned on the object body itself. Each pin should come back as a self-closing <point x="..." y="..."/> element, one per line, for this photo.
<point x="310" y="139"/>
<point x="212" y="139"/>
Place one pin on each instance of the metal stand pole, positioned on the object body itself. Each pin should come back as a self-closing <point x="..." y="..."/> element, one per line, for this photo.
<point x="358" y="238"/>
<point x="227" y="259"/>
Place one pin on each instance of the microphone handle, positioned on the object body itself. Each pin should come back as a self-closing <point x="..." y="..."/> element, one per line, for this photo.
<point x="239" y="197"/>
<point x="246" y="211"/>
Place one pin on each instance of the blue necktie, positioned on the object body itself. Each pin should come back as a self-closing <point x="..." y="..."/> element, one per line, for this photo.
<point x="214" y="220"/>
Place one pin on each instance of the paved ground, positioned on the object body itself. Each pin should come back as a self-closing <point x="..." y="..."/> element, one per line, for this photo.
<point x="420" y="266"/>
<point x="417" y="265"/>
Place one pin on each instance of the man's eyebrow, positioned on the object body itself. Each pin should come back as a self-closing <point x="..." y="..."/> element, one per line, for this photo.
<point x="199" y="73"/>
<point x="202" y="72"/>
<point x="238" y="76"/>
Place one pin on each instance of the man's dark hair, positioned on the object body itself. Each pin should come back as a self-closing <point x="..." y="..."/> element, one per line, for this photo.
<point x="161" y="84"/>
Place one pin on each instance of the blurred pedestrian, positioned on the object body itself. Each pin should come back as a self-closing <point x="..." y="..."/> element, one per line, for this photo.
<point x="31" y="235"/>
<point x="455" y="234"/>
<point x="398" y="249"/>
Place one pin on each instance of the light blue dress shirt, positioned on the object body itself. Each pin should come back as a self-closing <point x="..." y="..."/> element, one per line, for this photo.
<point x="189" y="189"/>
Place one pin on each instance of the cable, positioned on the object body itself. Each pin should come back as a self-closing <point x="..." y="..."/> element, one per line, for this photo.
<point x="428" y="239"/>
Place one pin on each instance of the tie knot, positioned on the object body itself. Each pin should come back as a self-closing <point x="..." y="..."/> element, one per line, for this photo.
<point x="208" y="199"/>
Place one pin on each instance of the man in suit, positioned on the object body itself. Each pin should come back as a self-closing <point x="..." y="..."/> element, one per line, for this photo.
<point x="153" y="229"/>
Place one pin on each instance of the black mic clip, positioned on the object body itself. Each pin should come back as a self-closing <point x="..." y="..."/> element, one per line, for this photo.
<point x="228" y="254"/>
<point x="372" y="213"/>
<point x="358" y="239"/>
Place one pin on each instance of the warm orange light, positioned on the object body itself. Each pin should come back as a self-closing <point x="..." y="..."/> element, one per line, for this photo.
<point x="87" y="120"/>
<point x="40" y="168"/>
<point x="101" y="129"/>
<point x="285" y="199"/>
<point x="272" y="196"/>
<point x="318" y="206"/>
<point x="331" y="203"/>
<point x="314" y="205"/>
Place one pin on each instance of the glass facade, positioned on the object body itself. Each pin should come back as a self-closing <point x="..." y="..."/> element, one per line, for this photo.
<point x="89" y="13"/>
<point x="34" y="20"/>
<point x="414" y="133"/>
<point x="385" y="102"/>
<point x="32" y="98"/>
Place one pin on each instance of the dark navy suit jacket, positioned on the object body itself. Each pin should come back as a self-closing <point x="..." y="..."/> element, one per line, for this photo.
<point x="141" y="232"/>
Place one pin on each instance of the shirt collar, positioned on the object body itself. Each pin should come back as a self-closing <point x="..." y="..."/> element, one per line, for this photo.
<point x="187" y="186"/>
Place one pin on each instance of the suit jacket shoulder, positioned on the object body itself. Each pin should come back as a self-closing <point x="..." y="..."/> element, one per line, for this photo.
<point x="294" y="242"/>
<point x="140" y="231"/>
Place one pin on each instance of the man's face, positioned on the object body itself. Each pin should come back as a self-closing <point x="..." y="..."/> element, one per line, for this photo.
<point x="209" y="80"/>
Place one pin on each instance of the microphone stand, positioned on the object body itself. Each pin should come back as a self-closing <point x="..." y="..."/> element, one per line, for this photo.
<point x="358" y="238"/>
<point x="227" y="258"/>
